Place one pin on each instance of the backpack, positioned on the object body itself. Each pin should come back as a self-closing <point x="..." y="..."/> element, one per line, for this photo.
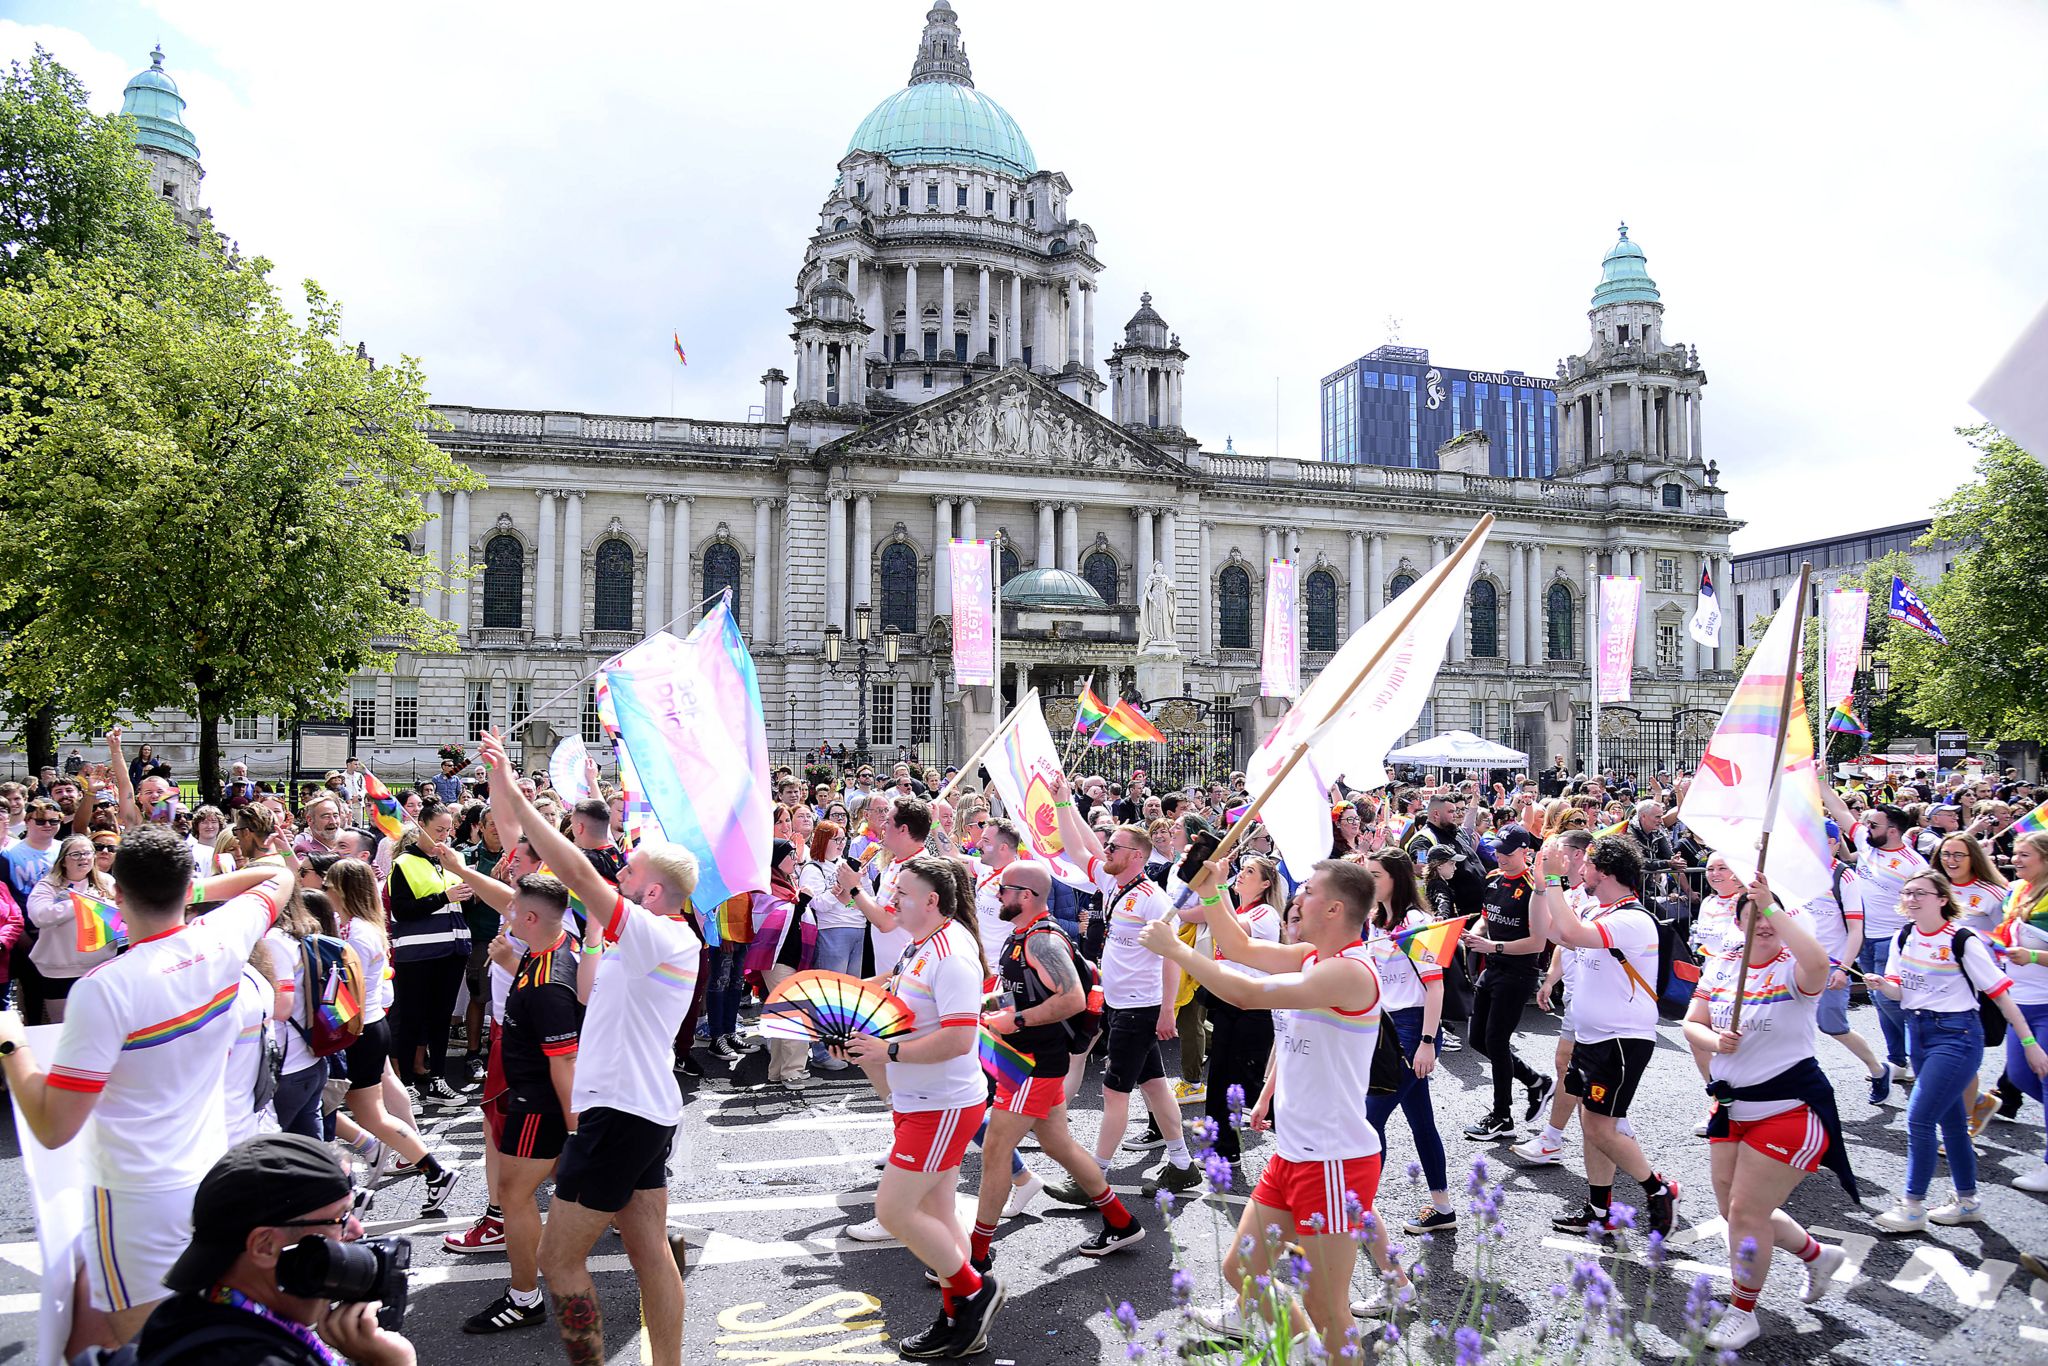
<point x="334" y="1003"/>
<point x="185" y="1349"/>
<point x="1082" y="1027"/>
<point x="1678" y="970"/>
<point x="1988" y="1014"/>
<point x="273" y="1063"/>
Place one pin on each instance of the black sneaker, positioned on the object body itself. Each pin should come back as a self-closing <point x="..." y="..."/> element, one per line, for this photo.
<point x="1663" y="1208"/>
<point x="1539" y="1096"/>
<point x="440" y="1092"/>
<point x="1146" y="1141"/>
<point x="1069" y="1192"/>
<point x="981" y="1266"/>
<point x="935" y="1341"/>
<point x="973" y="1317"/>
<point x="437" y="1191"/>
<point x="689" y="1066"/>
<point x="1168" y="1177"/>
<point x="1108" y="1240"/>
<point x="1431" y="1220"/>
<point x="1584" y="1221"/>
<point x="503" y="1313"/>
<point x="1491" y="1128"/>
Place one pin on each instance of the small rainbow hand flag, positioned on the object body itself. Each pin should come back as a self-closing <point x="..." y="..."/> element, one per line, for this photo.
<point x="1615" y="829"/>
<point x="1236" y="813"/>
<point x="1432" y="943"/>
<point x="1088" y="710"/>
<point x="385" y="812"/>
<point x="1124" y="722"/>
<point x="1842" y="721"/>
<point x="340" y="1009"/>
<point x="98" y="922"/>
<point x="1003" y="1060"/>
<point x="2033" y="822"/>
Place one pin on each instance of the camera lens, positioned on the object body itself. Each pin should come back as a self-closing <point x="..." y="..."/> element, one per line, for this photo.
<point x="322" y="1268"/>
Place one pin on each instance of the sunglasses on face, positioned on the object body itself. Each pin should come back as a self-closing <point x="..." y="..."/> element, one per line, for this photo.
<point x="358" y="1206"/>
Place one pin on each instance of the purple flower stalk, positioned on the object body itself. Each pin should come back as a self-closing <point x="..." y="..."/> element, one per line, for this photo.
<point x="1183" y="1287"/>
<point x="1471" y="1347"/>
<point x="1127" y="1317"/>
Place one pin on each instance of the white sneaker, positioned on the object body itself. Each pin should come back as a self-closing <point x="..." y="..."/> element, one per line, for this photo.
<point x="1020" y="1197"/>
<point x="1958" y="1211"/>
<point x="1537" y="1153"/>
<point x="1820" y="1273"/>
<point x="1376" y="1304"/>
<point x="1735" y="1328"/>
<point x="1903" y="1217"/>
<point x="869" y="1232"/>
<point x="1699" y="1130"/>
<point x="1225" y="1320"/>
<point x="2035" y="1180"/>
<point x="1902" y="1071"/>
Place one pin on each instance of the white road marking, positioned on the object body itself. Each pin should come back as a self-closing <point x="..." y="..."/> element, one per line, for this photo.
<point x="831" y="1160"/>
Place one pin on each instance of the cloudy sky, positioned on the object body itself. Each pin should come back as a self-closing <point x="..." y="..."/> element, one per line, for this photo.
<point x="1842" y="202"/>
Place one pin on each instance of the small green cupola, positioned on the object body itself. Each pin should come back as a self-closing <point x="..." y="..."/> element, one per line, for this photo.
<point x="153" y="101"/>
<point x="1625" y="276"/>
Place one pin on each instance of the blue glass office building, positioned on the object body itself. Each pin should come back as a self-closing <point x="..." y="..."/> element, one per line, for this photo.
<point x="1393" y="407"/>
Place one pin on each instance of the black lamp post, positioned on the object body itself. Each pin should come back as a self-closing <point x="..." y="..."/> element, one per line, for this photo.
<point x="863" y="642"/>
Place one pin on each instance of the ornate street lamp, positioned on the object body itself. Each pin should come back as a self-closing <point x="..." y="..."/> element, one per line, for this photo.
<point x="863" y="643"/>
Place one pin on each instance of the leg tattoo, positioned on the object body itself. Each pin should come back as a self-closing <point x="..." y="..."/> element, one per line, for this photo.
<point x="581" y="1325"/>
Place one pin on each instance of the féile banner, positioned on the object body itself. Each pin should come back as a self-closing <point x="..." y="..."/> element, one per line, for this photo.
<point x="1847" y="611"/>
<point x="1620" y="597"/>
<point x="1280" y="660"/>
<point x="974" y="636"/>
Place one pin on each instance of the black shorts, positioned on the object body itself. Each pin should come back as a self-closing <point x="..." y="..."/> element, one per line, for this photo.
<point x="1604" y="1075"/>
<point x="531" y="1131"/>
<point x="611" y="1155"/>
<point x="1133" y="1059"/>
<point x="368" y="1054"/>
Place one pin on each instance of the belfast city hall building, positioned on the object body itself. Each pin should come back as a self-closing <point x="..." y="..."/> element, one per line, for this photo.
<point x="957" y="371"/>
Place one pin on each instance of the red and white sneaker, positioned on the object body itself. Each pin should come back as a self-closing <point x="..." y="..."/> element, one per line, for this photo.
<point x="485" y="1235"/>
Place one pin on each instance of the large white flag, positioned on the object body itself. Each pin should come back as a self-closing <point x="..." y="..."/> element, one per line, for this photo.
<point x="1351" y="741"/>
<point x="1021" y="766"/>
<point x="1724" y="806"/>
<point x="1706" y="618"/>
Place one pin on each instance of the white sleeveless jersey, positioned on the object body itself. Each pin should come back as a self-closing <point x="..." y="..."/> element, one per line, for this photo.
<point x="1324" y="1059"/>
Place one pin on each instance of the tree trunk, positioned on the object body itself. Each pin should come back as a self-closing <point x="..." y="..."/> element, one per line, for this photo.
<point x="209" y="747"/>
<point x="39" y="737"/>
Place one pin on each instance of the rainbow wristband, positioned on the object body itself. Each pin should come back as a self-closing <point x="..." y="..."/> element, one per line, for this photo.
<point x="1550" y="881"/>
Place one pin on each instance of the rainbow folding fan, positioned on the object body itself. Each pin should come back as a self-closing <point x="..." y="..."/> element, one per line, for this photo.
<point x="831" y="1008"/>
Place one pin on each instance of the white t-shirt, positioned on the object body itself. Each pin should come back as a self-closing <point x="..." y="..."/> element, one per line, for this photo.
<point x="1716" y="918"/>
<point x="1262" y="923"/>
<point x="1779" y="1022"/>
<point x="1883" y="872"/>
<point x="1324" y="1061"/>
<point x="645" y="980"/>
<point x="1930" y="977"/>
<point x="254" y="999"/>
<point x="501" y="978"/>
<point x="889" y="944"/>
<point x="1580" y="903"/>
<point x="288" y="966"/>
<point x="374" y="951"/>
<point x="149" y="1033"/>
<point x="831" y="912"/>
<point x="1981" y="902"/>
<point x="1403" y="981"/>
<point x="1607" y="1002"/>
<point x="2029" y="983"/>
<point x="1131" y="975"/>
<point x="988" y="910"/>
<point x="939" y="978"/>
<point x="1831" y="917"/>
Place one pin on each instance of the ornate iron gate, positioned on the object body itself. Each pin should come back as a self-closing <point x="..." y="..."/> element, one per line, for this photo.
<point x="1201" y="744"/>
<point x="1639" y="745"/>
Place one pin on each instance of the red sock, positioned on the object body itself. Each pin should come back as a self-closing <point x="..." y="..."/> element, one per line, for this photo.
<point x="963" y="1284"/>
<point x="1811" y="1250"/>
<point x="1744" y="1297"/>
<point x="977" y="1245"/>
<point x="1112" y="1209"/>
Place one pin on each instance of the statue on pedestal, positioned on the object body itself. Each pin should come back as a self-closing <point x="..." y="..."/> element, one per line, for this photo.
<point x="1157" y="627"/>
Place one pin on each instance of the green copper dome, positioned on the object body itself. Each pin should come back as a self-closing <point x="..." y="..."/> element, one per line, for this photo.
<point x="1625" y="276"/>
<point x="940" y="119"/>
<point x="153" y="101"/>
<point x="1055" y="589"/>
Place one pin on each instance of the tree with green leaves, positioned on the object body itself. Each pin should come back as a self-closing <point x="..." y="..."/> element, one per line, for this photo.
<point x="1884" y="717"/>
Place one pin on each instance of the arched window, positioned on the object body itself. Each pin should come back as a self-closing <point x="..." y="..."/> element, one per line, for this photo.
<point x="1558" y="609"/>
<point x="504" y="577"/>
<point x="614" y="598"/>
<point x="899" y="587"/>
<point x="1010" y="564"/>
<point x="1320" y="592"/>
<point x="1100" y="571"/>
<point x="721" y="572"/>
<point x="1485" y="612"/>
<point x="1401" y="584"/>
<point x="1234" y="608"/>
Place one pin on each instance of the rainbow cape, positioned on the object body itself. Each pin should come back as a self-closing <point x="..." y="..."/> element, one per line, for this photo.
<point x="1002" y="1060"/>
<point x="1842" y="721"/>
<point x="98" y="922"/>
<point x="1125" y="723"/>
<point x="385" y="812"/>
<point x="2033" y="822"/>
<point x="1431" y="943"/>
<point x="1088" y="710"/>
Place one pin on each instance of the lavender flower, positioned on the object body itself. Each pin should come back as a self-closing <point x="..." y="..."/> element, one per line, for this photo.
<point x="1134" y="1351"/>
<point x="1390" y="1335"/>
<point x="1477" y="1181"/>
<point x="1234" y="1097"/>
<point x="1471" y="1347"/>
<point x="1126" y="1316"/>
<point x="1216" y="1168"/>
<point x="1164" y="1199"/>
<point x="1656" y="1255"/>
<point x="1621" y="1216"/>
<point x="1745" y="1253"/>
<point x="1699" y="1304"/>
<point x="1183" y="1287"/>
<point x="1414" y="1171"/>
<point x="1315" y="1222"/>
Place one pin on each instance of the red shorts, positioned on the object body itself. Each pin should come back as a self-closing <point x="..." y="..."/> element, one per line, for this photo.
<point x="934" y="1140"/>
<point x="1794" y="1138"/>
<point x="495" y="1093"/>
<point x="1037" y="1097"/>
<point x="1313" y="1192"/>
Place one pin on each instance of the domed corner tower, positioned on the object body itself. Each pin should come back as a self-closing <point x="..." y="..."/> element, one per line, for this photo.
<point x="830" y="341"/>
<point x="1146" y="370"/>
<point x="1630" y="395"/>
<point x="152" y="101"/>
<point x="960" y="253"/>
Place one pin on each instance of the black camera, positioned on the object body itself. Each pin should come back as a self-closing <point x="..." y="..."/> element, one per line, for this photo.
<point x="351" y="1273"/>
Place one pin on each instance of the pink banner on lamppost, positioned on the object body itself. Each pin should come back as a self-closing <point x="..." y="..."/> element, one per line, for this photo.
<point x="1620" y="597"/>
<point x="1280" y="660"/>
<point x="1842" y="628"/>
<point x="974" y="632"/>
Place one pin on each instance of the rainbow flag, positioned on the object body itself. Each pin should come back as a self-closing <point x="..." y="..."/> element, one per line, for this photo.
<point x="1003" y="1060"/>
<point x="1842" y="721"/>
<point x="1236" y="813"/>
<point x="2031" y="823"/>
<point x="98" y="922"/>
<point x="679" y="348"/>
<point x="1088" y="710"/>
<point x="1125" y="723"/>
<point x="385" y="812"/>
<point x="1432" y="943"/>
<point x="340" y="1009"/>
<point x="1615" y="829"/>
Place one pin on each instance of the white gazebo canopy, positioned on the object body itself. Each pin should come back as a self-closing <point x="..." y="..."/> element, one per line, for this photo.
<point x="1459" y="749"/>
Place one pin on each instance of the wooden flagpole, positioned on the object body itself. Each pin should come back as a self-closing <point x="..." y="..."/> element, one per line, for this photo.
<point x="1414" y="609"/>
<point x="1067" y="754"/>
<point x="1763" y="843"/>
<point x="986" y="745"/>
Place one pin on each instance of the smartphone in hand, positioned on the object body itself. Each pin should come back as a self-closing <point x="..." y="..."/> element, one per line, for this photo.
<point x="1200" y="848"/>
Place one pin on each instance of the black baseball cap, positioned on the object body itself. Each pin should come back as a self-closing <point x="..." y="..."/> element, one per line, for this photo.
<point x="267" y="1180"/>
<point x="1516" y="837"/>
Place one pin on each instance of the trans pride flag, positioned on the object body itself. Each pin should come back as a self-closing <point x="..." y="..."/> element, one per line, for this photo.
<point x="689" y="716"/>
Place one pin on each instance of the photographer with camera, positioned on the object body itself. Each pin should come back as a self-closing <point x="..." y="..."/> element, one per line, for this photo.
<point x="278" y="1272"/>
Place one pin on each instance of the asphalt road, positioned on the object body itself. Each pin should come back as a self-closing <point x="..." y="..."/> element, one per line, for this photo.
<point x="766" y="1181"/>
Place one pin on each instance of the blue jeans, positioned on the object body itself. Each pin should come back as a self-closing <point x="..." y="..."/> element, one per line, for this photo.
<point x="297" y="1102"/>
<point x="726" y="991"/>
<point x="838" y="951"/>
<point x="1891" y="1016"/>
<point x="2016" y="1069"/>
<point x="1412" y="1099"/>
<point x="1948" y="1048"/>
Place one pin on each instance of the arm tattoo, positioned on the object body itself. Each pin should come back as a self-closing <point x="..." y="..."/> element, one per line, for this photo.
<point x="581" y="1325"/>
<point x="1055" y="965"/>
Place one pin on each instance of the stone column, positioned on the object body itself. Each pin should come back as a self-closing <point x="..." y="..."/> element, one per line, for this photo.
<point x="1518" y="589"/>
<point x="571" y="617"/>
<point x="1269" y="551"/>
<point x="682" y="559"/>
<point x="1073" y="320"/>
<point x="1070" y="538"/>
<point x="835" y="561"/>
<point x="942" y="559"/>
<point x="1698" y="451"/>
<point x="1592" y="609"/>
<point x="764" y="570"/>
<point x="967" y="531"/>
<point x="1376" y="572"/>
<point x="544" y="570"/>
<point x="1088" y="327"/>
<point x="1357" y="617"/>
<point x="1204" y="641"/>
<point x="1041" y="326"/>
<point x="946" y="311"/>
<point x="1142" y="560"/>
<point x="1436" y="551"/>
<point x="1179" y="413"/>
<point x="878" y="316"/>
<point x="853" y="277"/>
<point x="1048" y="544"/>
<point x="913" y="321"/>
<point x="1692" y="656"/>
<point x="1640" y="561"/>
<point x="977" y="341"/>
<point x="458" y="555"/>
<point x="862" y="579"/>
<point x="1169" y="533"/>
<point x="1534" y="615"/>
<point x="432" y="535"/>
<point x="1724" y="653"/>
<point x="653" y="597"/>
<point x="1013" y="332"/>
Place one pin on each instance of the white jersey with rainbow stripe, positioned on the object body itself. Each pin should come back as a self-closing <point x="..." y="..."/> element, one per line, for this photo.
<point x="1324" y="1058"/>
